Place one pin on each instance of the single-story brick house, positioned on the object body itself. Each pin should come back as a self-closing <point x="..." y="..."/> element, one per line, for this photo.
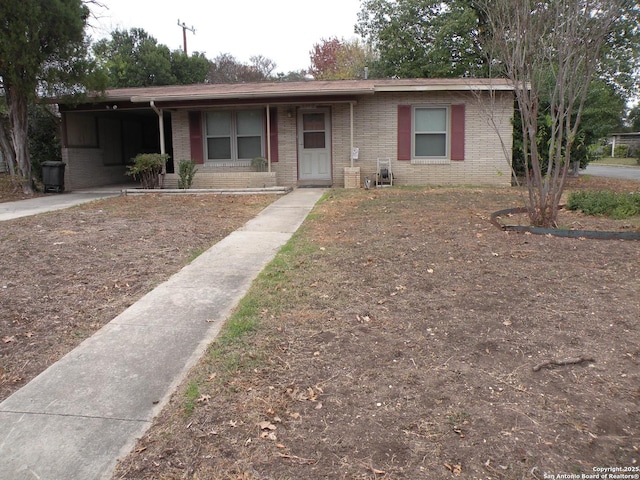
<point x="434" y="131"/>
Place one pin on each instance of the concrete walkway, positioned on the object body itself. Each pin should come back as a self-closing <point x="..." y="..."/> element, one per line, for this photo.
<point x="87" y="410"/>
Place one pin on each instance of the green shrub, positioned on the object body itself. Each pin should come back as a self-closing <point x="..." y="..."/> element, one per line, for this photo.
<point x="147" y="168"/>
<point x="186" y="171"/>
<point x="615" y="205"/>
<point x="621" y="151"/>
<point x="259" y="164"/>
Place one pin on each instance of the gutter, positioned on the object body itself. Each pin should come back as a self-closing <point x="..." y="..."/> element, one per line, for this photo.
<point x="251" y="95"/>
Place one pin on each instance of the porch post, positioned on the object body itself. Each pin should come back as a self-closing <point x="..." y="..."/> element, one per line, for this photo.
<point x="163" y="149"/>
<point x="613" y="146"/>
<point x="268" y="138"/>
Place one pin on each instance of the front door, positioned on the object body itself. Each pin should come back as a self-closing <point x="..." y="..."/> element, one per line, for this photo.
<point x="314" y="144"/>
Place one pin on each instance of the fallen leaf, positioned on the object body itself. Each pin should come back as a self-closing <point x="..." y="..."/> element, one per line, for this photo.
<point x="507" y="323"/>
<point x="311" y="395"/>
<point x="266" y="425"/>
<point x="319" y="406"/>
<point x="455" y="469"/>
<point x="203" y="399"/>
<point x="8" y="339"/>
<point x="268" y="435"/>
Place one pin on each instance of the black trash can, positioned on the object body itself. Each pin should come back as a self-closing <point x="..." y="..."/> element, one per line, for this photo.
<point x="53" y="176"/>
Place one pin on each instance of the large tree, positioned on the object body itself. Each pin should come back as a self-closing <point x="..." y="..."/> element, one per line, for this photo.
<point x="421" y="38"/>
<point x="551" y="50"/>
<point x="40" y="43"/>
<point x="339" y="59"/>
<point x="134" y="58"/>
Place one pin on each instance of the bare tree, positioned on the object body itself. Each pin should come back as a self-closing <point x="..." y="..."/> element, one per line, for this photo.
<point x="264" y="65"/>
<point x="552" y="48"/>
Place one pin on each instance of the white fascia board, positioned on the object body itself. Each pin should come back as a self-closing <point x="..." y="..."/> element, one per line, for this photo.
<point x="250" y="95"/>
<point x="440" y="88"/>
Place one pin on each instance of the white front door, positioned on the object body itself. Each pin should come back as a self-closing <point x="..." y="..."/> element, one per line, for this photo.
<point x="314" y="144"/>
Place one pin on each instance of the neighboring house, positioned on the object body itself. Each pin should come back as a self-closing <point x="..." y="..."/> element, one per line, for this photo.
<point x="434" y="131"/>
<point x="632" y="140"/>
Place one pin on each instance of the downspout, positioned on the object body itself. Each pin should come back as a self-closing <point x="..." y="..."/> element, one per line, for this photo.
<point x="269" y="138"/>
<point x="163" y="150"/>
<point x="160" y="114"/>
<point x="351" y="132"/>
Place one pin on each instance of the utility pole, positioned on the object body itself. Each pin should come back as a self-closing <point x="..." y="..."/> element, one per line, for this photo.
<point x="184" y="34"/>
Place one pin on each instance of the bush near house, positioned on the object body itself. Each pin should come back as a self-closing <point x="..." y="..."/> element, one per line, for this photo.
<point x="186" y="171"/>
<point x="147" y="168"/>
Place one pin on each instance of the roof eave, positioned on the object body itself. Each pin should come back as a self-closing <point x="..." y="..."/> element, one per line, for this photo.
<point x="247" y="95"/>
<point x="439" y="88"/>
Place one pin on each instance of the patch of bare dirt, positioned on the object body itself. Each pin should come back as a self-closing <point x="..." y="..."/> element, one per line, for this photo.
<point x="402" y="336"/>
<point x="10" y="192"/>
<point x="64" y="274"/>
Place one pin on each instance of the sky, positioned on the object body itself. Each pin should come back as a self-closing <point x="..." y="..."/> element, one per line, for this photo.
<point x="281" y="30"/>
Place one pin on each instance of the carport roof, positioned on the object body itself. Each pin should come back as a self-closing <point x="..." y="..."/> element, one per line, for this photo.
<point x="311" y="88"/>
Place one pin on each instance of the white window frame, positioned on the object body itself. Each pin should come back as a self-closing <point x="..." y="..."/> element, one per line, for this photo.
<point x="234" y="161"/>
<point x="431" y="160"/>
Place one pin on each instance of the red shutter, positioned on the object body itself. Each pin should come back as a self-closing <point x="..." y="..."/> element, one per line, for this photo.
<point x="457" y="132"/>
<point x="273" y="124"/>
<point x="195" y="137"/>
<point x="404" y="132"/>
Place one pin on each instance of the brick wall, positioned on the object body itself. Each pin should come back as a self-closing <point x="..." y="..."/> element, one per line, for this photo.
<point x="204" y="179"/>
<point x="487" y="129"/>
<point x="375" y="124"/>
<point x="488" y="135"/>
<point x="85" y="169"/>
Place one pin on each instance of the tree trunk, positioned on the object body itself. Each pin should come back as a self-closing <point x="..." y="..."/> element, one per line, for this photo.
<point x="6" y="147"/>
<point x="18" y="119"/>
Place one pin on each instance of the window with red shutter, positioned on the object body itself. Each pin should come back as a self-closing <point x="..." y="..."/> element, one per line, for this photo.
<point x="404" y="132"/>
<point x="273" y="124"/>
<point x="195" y="137"/>
<point x="433" y="134"/>
<point x="457" y="132"/>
